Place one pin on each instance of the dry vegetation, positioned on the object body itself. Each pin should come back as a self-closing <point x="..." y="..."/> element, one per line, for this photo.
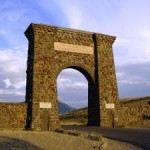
<point x="79" y="117"/>
<point x="138" y="100"/>
<point x="76" y="117"/>
<point x="35" y="140"/>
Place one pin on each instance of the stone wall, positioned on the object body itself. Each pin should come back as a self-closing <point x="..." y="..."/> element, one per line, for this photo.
<point x="129" y="113"/>
<point x="13" y="115"/>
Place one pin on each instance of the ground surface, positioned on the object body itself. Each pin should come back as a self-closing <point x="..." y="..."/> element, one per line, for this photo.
<point x="31" y="140"/>
<point x="140" y="137"/>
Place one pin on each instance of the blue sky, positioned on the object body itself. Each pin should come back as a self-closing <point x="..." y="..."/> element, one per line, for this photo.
<point x="126" y="19"/>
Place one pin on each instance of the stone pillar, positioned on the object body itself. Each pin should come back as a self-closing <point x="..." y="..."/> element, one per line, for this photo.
<point x="106" y="77"/>
<point x="41" y="83"/>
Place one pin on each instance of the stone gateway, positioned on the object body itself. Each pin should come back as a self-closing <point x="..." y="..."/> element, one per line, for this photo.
<point x="52" y="49"/>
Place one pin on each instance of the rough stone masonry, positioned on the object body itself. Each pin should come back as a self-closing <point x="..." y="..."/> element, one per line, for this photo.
<point x="52" y="49"/>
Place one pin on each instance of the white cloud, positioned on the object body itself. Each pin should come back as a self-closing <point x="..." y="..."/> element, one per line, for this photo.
<point x="68" y="83"/>
<point x="14" y="19"/>
<point x="13" y="66"/>
<point x="7" y="82"/>
<point x="121" y="41"/>
<point x="133" y="75"/>
<point x="19" y="84"/>
<point x="120" y="74"/>
<point x="73" y="15"/>
<point x="129" y="82"/>
<point x="70" y="72"/>
<point x="13" y="60"/>
<point x="72" y="88"/>
<point x="127" y="61"/>
<point x="12" y="92"/>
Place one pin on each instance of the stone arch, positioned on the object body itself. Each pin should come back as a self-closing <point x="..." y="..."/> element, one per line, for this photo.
<point x="91" y="89"/>
<point x="53" y="48"/>
<point x="78" y="66"/>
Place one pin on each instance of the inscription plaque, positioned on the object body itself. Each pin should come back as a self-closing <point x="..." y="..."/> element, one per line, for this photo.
<point x="73" y="48"/>
<point x="45" y="105"/>
<point x="110" y="105"/>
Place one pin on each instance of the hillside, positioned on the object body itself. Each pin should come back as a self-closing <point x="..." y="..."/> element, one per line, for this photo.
<point x="79" y="117"/>
<point x="64" y="108"/>
<point x="76" y="117"/>
<point x="138" y="100"/>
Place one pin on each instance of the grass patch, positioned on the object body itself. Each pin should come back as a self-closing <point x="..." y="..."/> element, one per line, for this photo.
<point x="60" y="130"/>
<point x="95" y="137"/>
<point x="136" y="100"/>
<point x="76" y="117"/>
<point x="74" y="133"/>
<point x="70" y="132"/>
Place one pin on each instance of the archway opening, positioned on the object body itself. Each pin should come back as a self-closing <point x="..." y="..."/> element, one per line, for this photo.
<point x="74" y="94"/>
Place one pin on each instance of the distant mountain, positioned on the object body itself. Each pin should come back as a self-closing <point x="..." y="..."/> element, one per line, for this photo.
<point x="64" y="108"/>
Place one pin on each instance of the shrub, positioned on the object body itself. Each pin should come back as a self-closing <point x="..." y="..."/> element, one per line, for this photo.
<point x="95" y="137"/>
<point x="70" y="132"/>
<point x="60" y="130"/>
<point x="74" y="133"/>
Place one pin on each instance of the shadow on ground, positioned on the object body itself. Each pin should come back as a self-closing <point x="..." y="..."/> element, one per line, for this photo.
<point x="7" y="143"/>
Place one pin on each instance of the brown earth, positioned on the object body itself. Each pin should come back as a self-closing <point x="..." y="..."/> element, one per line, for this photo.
<point x="36" y="140"/>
